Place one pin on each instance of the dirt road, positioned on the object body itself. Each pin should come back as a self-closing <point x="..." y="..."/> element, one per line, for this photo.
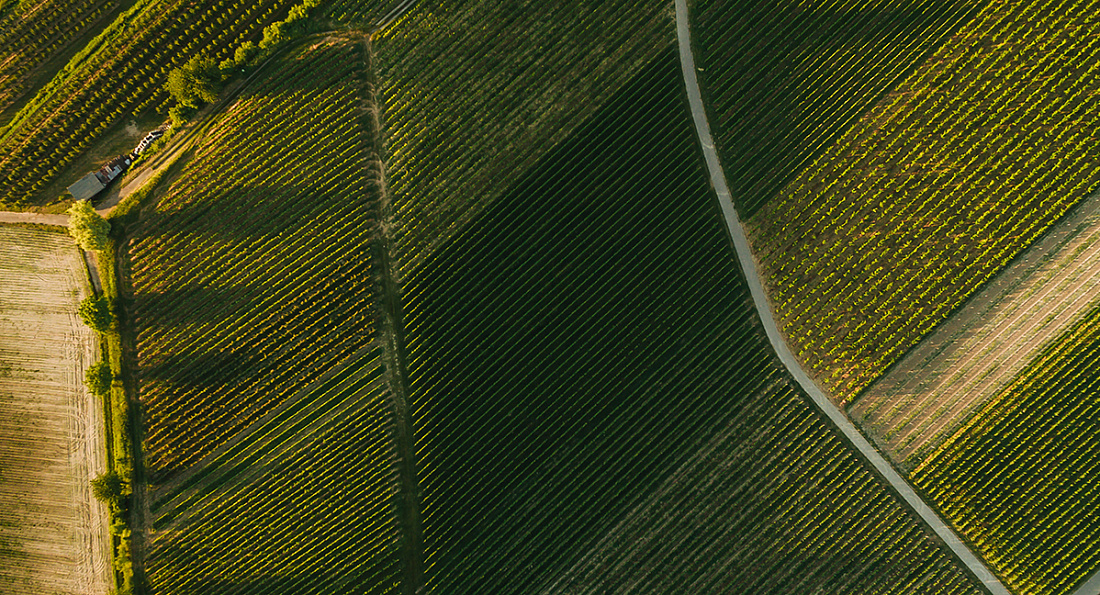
<point x="39" y="218"/>
<point x="764" y="309"/>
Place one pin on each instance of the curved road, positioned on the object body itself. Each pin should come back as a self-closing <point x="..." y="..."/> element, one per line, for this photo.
<point x="763" y="308"/>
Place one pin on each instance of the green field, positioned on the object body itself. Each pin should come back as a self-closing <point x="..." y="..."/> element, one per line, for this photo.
<point x="476" y="91"/>
<point x="578" y="348"/>
<point x="1020" y="479"/>
<point x="120" y="73"/>
<point x="785" y="79"/>
<point x="266" y="404"/>
<point x="31" y="32"/>
<point x="959" y="168"/>
<point x="452" y="306"/>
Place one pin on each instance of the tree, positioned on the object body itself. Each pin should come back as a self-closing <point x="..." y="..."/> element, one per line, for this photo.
<point x="107" y="487"/>
<point x="246" y="54"/>
<point x="96" y="313"/>
<point x="197" y="81"/>
<point x="88" y="227"/>
<point x="98" y="378"/>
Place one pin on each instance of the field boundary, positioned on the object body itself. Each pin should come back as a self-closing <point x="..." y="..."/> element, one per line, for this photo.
<point x="391" y="330"/>
<point x="760" y="300"/>
<point x="1091" y="586"/>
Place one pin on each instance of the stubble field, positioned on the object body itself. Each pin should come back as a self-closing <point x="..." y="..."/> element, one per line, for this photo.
<point x="53" y="534"/>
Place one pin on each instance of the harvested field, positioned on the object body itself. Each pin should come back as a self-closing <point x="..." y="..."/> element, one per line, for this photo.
<point x="938" y="386"/>
<point x="53" y="535"/>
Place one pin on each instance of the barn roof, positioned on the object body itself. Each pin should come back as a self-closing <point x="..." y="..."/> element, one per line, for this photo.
<point x="86" y="187"/>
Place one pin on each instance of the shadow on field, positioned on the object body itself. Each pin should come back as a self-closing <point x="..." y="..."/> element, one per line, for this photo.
<point x="247" y="212"/>
<point x="580" y="341"/>
<point x="335" y="582"/>
<point x="783" y="82"/>
<point x="209" y="368"/>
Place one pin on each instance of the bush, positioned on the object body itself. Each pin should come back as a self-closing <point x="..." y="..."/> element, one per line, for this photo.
<point x="98" y="378"/>
<point x="246" y="54"/>
<point x="179" y="115"/>
<point x="88" y="228"/>
<point x="118" y="527"/>
<point x="95" y="311"/>
<point x="107" y="487"/>
<point x="198" y="81"/>
<point x="274" y="36"/>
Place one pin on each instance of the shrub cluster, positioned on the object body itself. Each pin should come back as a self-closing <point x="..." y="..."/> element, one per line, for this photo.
<point x="88" y="227"/>
<point x="98" y="378"/>
<point x="96" y="312"/>
<point x="201" y="79"/>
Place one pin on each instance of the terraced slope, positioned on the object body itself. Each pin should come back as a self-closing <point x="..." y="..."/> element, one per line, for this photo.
<point x="266" y="397"/>
<point x="476" y="91"/>
<point x="53" y="534"/>
<point x="1019" y="480"/>
<point x="592" y="390"/>
<point x="963" y="165"/>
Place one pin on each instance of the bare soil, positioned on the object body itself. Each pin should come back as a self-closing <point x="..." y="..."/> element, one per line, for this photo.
<point x="939" y="384"/>
<point x="53" y="534"/>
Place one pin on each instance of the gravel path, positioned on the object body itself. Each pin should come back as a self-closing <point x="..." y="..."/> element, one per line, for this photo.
<point x="39" y="218"/>
<point x="764" y="309"/>
<point x="1090" y="587"/>
<point x="939" y="384"/>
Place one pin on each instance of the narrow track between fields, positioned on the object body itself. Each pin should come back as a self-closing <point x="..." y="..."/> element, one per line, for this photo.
<point x="1091" y="586"/>
<point x="763" y="307"/>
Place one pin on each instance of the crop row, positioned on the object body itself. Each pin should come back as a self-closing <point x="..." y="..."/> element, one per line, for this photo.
<point x="476" y="91"/>
<point x="907" y="214"/>
<point x="573" y="349"/>
<point x="363" y="13"/>
<point x="1020" y="479"/>
<point x="29" y="36"/>
<point x="260" y="378"/>
<point x="126" y="75"/>
<point x="318" y="514"/>
<point x="784" y="81"/>
<point x="253" y="277"/>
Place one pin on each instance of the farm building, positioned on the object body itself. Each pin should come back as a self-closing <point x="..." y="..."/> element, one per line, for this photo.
<point x="90" y="185"/>
<point x="86" y="187"/>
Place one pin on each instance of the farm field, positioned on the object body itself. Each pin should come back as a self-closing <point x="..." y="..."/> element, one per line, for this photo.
<point x="31" y="32"/>
<point x="122" y="72"/>
<point x="53" y="534"/>
<point x="1019" y="480"/>
<point x="468" y="105"/>
<point x="359" y="13"/>
<point x="981" y="348"/>
<point x="452" y="306"/>
<point x="959" y="168"/>
<point x="267" y="399"/>
<point x="785" y="79"/>
<point x="584" y="357"/>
